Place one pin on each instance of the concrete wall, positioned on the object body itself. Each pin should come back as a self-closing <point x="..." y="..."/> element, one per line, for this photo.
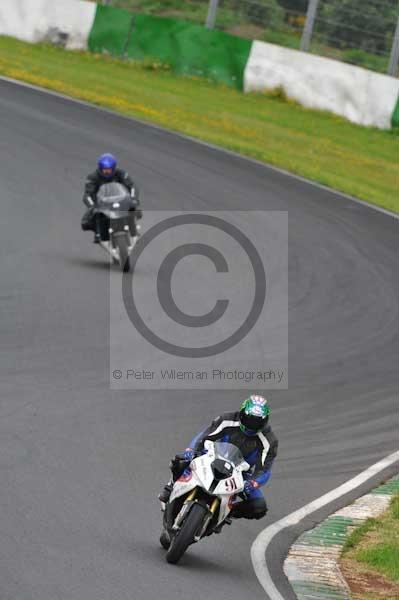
<point x="67" y="22"/>
<point x="359" y="95"/>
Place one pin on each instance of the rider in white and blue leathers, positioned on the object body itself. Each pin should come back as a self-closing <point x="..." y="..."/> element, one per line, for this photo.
<point x="248" y="429"/>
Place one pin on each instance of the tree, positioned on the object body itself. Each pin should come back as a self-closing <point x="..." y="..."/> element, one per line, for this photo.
<point x="364" y="24"/>
<point x="267" y="13"/>
<point x="294" y="5"/>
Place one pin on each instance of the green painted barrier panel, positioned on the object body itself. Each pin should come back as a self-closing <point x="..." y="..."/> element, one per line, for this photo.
<point x="395" y="116"/>
<point x="110" y="31"/>
<point x="190" y="49"/>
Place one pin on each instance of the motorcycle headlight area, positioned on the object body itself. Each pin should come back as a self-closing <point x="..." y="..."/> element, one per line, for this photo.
<point x="222" y="469"/>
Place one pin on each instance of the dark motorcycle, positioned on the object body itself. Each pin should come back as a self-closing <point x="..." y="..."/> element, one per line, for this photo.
<point x="117" y="222"/>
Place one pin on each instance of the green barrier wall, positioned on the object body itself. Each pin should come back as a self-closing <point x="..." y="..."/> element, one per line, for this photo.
<point x="111" y="30"/>
<point x="190" y="49"/>
<point x="395" y="115"/>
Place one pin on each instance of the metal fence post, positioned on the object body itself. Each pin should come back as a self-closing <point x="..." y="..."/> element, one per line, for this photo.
<point x="308" y="29"/>
<point x="212" y="10"/>
<point x="393" y="61"/>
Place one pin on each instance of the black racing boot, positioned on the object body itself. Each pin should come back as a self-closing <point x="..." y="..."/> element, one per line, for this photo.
<point x="228" y="521"/>
<point x="165" y="493"/>
<point x="164" y="539"/>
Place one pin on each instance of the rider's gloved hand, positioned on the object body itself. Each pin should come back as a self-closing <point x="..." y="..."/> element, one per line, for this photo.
<point x="250" y="485"/>
<point x="188" y="454"/>
<point x="180" y="462"/>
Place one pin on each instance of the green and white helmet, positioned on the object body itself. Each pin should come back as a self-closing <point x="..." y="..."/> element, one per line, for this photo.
<point x="254" y="414"/>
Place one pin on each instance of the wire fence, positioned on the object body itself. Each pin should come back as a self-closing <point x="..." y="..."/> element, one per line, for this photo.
<point x="361" y="32"/>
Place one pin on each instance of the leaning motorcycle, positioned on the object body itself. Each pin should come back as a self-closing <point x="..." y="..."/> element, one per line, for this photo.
<point x="117" y="223"/>
<point x="202" y="498"/>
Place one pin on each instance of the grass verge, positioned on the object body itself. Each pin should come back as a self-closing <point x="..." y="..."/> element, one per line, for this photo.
<point x="359" y="161"/>
<point x="370" y="559"/>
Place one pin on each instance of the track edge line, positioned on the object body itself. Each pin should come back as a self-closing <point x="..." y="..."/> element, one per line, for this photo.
<point x="265" y="537"/>
<point x="265" y="165"/>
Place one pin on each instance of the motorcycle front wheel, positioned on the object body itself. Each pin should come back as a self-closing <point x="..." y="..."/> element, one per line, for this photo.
<point x="185" y="536"/>
<point x="124" y="260"/>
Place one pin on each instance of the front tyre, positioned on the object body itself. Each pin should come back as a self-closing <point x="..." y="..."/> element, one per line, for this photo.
<point x="185" y="536"/>
<point x="124" y="259"/>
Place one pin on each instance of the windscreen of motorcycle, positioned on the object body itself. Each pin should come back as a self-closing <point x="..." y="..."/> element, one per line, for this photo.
<point x="113" y="193"/>
<point x="228" y="452"/>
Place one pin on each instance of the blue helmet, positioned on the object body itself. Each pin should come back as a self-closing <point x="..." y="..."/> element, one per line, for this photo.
<point x="106" y="165"/>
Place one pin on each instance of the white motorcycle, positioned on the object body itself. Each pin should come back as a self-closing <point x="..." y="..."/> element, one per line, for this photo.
<point x="202" y="498"/>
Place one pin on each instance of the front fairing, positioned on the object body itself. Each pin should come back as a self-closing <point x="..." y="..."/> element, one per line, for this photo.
<point x="230" y="486"/>
<point x="201" y="473"/>
<point x="113" y="215"/>
<point x="202" y="468"/>
<point x="185" y="484"/>
<point x="114" y="201"/>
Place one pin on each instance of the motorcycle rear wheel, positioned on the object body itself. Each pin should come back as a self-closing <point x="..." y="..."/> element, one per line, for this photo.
<point x="185" y="536"/>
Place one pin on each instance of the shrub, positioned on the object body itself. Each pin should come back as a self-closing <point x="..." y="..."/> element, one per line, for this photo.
<point x="356" y="24"/>
<point x="365" y="59"/>
<point x="260" y="12"/>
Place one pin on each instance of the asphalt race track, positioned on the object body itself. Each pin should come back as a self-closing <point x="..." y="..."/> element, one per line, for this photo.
<point x="81" y="465"/>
